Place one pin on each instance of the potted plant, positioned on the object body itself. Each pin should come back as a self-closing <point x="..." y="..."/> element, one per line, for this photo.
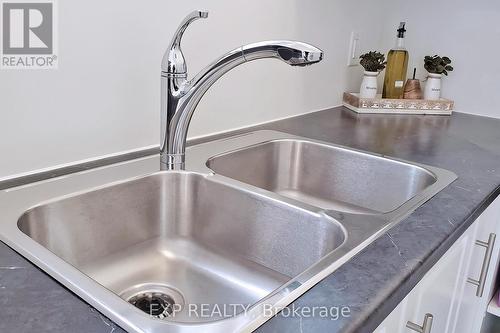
<point x="436" y="66"/>
<point x="373" y="62"/>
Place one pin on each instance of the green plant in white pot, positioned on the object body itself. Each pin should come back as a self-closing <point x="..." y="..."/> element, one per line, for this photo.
<point x="436" y="66"/>
<point x="373" y="62"/>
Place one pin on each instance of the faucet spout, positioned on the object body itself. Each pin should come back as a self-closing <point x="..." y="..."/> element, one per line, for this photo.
<point x="180" y="97"/>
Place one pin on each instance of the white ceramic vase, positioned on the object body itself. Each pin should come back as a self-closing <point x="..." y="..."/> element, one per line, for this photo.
<point x="432" y="90"/>
<point x="369" y="87"/>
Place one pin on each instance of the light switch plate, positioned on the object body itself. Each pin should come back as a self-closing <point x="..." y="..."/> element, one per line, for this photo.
<point x="353" y="57"/>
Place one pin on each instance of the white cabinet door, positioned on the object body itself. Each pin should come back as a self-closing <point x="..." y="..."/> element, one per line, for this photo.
<point x="472" y="307"/>
<point x="436" y="292"/>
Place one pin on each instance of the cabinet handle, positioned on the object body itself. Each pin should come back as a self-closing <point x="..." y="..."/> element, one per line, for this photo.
<point x="486" y="264"/>
<point x="426" y="326"/>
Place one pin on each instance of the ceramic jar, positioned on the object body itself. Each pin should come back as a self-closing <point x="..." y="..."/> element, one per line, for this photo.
<point x="432" y="90"/>
<point x="369" y="86"/>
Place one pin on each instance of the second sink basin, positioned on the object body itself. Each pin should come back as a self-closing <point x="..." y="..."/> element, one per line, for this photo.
<point x="325" y="176"/>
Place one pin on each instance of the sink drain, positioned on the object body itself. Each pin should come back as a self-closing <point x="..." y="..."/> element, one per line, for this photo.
<point x="156" y="300"/>
<point x="155" y="304"/>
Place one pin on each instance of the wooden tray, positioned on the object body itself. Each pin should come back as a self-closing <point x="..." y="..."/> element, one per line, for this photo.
<point x="396" y="106"/>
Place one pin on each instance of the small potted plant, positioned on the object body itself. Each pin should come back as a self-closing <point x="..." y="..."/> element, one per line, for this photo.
<point x="436" y="66"/>
<point x="373" y="62"/>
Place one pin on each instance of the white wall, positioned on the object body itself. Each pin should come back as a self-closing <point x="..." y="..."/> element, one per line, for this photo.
<point x="466" y="31"/>
<point x="104" y="97"/>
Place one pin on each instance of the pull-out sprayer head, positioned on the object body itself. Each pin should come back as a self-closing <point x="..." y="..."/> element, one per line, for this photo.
<point x="291" y="52"/>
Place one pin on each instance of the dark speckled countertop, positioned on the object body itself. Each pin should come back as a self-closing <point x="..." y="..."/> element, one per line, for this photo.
<point x="373" y="282"/>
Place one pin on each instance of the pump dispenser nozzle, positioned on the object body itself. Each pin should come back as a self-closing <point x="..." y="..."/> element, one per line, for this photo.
<point x="401" y="30"/>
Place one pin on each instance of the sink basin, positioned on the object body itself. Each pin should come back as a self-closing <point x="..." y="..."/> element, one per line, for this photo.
<point x="184" y="235"/>
<point x="327" y="176"/>
<point x="257" y="220"/>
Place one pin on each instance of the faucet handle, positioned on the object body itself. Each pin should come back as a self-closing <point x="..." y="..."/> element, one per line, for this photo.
<point x="173" y="61"/>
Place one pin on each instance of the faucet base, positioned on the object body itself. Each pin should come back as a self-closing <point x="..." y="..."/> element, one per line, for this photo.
<point x="172" y="162"/>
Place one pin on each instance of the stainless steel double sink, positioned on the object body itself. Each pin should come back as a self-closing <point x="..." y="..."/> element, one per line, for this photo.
<point x="256" y="221"/>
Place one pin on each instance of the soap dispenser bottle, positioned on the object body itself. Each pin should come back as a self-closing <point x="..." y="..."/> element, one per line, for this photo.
<point x="397" y="65"/>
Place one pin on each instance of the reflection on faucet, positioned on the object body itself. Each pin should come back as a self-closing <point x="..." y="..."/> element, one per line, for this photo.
<point x="180" y="96"/>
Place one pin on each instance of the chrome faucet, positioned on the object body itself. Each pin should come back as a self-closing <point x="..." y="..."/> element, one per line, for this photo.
<point x="180" y="96"/>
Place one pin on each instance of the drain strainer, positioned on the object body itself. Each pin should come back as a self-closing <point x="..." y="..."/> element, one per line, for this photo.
<point x="158" y="301"/>
<point x="155" y="304"/>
